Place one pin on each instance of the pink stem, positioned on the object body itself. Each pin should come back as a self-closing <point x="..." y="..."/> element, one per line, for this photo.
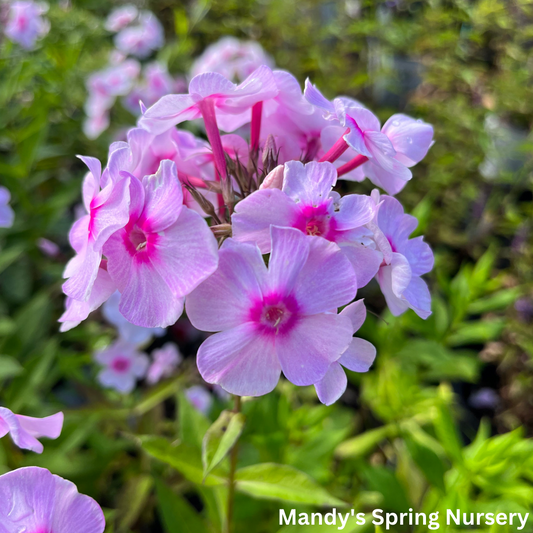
<point x="357" y="161"/>
<point x="336" y="150"/>
<point x="207" y="108"/>
<point x="192" y="180"/>
<point x="257" y="111"/>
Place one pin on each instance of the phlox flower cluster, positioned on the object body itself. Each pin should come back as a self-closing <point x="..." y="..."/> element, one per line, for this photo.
<point x="138" y="34"/>
<point x="278" y="290"/>
<point x="24" y="22"/>
<point x="7" y="215"/>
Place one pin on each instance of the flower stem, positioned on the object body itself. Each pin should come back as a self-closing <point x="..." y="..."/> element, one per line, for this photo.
<point x="207" y="108"/>
<point x="255" y="133"/>
<point x="231" y="477"/>
<point x="337" y="149"/>
<point x="357" y="161"/>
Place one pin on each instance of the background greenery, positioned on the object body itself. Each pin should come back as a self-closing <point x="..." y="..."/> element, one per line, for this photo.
<point x="404" y="435"/>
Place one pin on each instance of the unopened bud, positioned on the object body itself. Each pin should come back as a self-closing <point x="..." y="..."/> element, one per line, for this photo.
<point x="270" y="154"/>
<point x="274" y="180"/>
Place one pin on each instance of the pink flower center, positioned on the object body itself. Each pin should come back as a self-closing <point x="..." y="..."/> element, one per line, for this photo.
<point x="275" y="314"/>
<point x="138" y="239"/>
<point x="317" y="221"/>
<point x="121" y="364"/>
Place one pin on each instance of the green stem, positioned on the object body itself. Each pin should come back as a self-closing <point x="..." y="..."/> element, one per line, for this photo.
<point x="231" y="477"/>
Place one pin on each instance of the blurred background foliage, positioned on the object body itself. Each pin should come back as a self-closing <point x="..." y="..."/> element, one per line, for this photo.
<point x="442" y="420"/>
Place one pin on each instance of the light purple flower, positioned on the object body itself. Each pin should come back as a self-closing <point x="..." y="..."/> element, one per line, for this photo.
<point x="143" y="38"/>
<point x="7" y="215"/>
<point x="273" y="319"/>
<point x="411" y="140"/>
<point x="35" y="501"/>
<point x="358" y="357"/>
<point x="231" y="103"/>
<point x="127" y="331"/>
<point x="306" y="202"/>
<point x="25" y="23"/>
<point x="232" y="58"/>
<point x="200" y="398"/>
<point x="106" y="197"/>
<point x="165" y="362"/>
<point x="48" y="247"/>
<point x="25" y="430"/>
<point x="364" y="135"/>
<point x="121" y="17"/>
<point x="164" y="252"/>
<point x="123" y="366"/>
<point x="404" y="260"/>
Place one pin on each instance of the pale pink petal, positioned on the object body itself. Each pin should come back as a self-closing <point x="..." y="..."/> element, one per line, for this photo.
<point x="310" y="184"/>
<point x="356" y="312"/>
<point x="163" y="198"/>
<point x="359" y="356"/>
<point x="316" y="98"/>
<point x="365" y="261"/>
<point x="419" y="255"/>
<point x="290" y="250"/>
<point x="147" y="300"/>
<point x="224" y="299"/>
<point x="411" y="138"/>
<point x="240" y="361"/>
<point x="169" y="111"/>
<point x="308" y="349"/>
<point x="332" y="386"/>
<point x="311" y="292"/>
<point x="418" y="297"/>
<point x="354" y="210"/>
<point x="186" y="253"/>
<point x="49" y="426"/>
<point x="255" y="214"/>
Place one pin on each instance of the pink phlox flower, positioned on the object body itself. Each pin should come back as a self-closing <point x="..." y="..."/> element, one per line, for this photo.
<point x="7" y="215"/>
<point x="164" y="251"/>
<point x="122" y="366"/>
<point x="404" y="260"/>
<point x="232" y="58"/>
<point x="164" y="364"/>
<point x="411" y="139"/>
<point x="358" y="357"/>
<point x="25" y="23"/>
<point x="35" y="501"/>
<point x="143" y="38"/>
<point x="106" y="197"/>
<point x="156" y="82"/>
<point x="128" y="332"/>
<point x="232" y="103"/>
<point x="200" y="398"/>
<point x="25" y="430"/>
<point x="365" y="135"/>
<point x="307" y="202"/>
<point x="121" y="17"/>
<point x="276" y="318"/>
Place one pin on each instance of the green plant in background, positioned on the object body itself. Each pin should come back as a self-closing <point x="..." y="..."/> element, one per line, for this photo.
<point x="408" y="435"/>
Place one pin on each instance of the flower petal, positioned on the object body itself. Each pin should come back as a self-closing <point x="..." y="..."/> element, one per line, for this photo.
<point x="333" y="385"/>
<point x="308" y="349"/>
<point x="240" y="360"/>
<point x="359" y="356"/>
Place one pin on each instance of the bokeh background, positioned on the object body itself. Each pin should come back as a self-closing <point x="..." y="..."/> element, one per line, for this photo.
<point x="444" y="417"/>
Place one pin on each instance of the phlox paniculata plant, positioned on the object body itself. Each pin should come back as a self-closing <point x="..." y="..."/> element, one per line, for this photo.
<point x="246" y="232"/>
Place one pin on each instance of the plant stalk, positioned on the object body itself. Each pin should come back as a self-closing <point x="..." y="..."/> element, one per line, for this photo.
<point x="231" y="477"/>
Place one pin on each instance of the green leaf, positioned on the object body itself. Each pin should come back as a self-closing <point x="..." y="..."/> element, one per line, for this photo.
<point x="176" y="514"/>
<point x="366" y="442"/>
<point x="476" y="332"/>
<point x="9" y="367"/>
<point x="184" y="458"/>
<point x="192" y="424"/>
<point x="499" y="300"/>
<point x="282" y="482"/>
<point x="383" y="480"/>
<point x="428" y="461"/>
<point x="220" y="438"/>
<point x="132" y="501"/>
